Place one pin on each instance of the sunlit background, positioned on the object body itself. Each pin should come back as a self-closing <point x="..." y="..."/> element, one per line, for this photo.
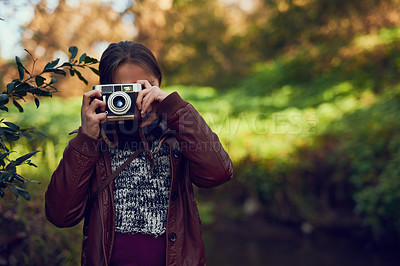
<point x="304" y="95"/>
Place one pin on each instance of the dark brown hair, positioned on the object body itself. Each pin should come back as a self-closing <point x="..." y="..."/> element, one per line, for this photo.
<point x="127" y="52"/>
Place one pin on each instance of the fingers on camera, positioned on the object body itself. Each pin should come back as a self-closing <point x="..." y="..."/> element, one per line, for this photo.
<point x="141" y="98"/>
<point x="97" y="107"/>
<point x="145" y="83"/>
<point x="102" y="117"/>
<point x="147" y="101"/>
<point x="89" y="96"/>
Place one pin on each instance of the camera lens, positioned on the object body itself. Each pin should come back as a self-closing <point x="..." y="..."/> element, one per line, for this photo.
<point x="119" y="102"/>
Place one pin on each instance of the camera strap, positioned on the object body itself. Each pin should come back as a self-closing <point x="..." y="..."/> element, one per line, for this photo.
<point x="115" y="173"/>
<point x="130" y="159"/>
<point x="112" y="145"/>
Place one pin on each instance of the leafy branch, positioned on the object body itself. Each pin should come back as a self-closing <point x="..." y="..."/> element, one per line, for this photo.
<point x="35" y="85"/>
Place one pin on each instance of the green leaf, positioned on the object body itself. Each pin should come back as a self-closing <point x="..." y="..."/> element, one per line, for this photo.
<point x="53" y="80"/>
<point x="88" y="59"/>
<point x="6" y="176"/>
<point x="10" y="87"/>
<point x="12" y="126"/>
<point x="21" y="69"/>
<point x="8" y="129"/>
<point x="41" y="92"/>
<point x="82" y="58"/>
<point x="11" y="136"/>
<point x="21" y="94"/>
<point x="31" y="164"/>
<point x="95" y="71"/>
<point x="60" y="72"/>
<point x="81" y="77"/>
<point x="51" y="64"/>
<point x="39" y="133"/>
<point x="23" y="193"/>
<point x="66" y="64"/>
<point x="37" y="102"/>
<point x="55" y="70"/>
<point x="4" y="99"/>
<point x="74" y="51"/>
<point x="2" y="157"/>
<point x="2" y="145"/>
<point x="25" y="157"/>
<point x="26" y="135"/>
<point x="23" y="86"/>
<point x="18" y="178"/>
<point x="19" y="107"/>
<point x="14" y="191"/>
<point x="39" y="80"/>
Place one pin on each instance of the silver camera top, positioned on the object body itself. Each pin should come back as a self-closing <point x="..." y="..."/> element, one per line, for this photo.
<point x="110" y="88"/>
<point x="119" y="99"/>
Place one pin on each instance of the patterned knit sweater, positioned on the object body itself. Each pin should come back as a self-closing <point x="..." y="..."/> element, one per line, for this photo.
<point x="141" y="195"/>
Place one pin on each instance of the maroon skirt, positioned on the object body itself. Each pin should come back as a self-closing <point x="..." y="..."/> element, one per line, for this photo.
<point x="138" y="249"/>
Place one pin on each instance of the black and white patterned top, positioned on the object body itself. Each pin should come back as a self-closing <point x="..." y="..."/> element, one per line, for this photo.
<point x="141" y="195"/>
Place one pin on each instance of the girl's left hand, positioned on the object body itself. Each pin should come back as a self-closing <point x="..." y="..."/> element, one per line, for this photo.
<point x="149" y="95"/>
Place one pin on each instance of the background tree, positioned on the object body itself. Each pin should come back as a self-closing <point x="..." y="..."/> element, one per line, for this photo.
<point x="303" y="93"/>
<point x="89" y="24"/>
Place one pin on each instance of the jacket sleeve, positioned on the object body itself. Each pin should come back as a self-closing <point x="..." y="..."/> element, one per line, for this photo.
<point x="67" y="193"/>
<point x="209" y="163"/>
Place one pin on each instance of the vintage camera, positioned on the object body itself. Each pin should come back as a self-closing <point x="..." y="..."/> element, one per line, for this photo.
<point x="120" y="100"/>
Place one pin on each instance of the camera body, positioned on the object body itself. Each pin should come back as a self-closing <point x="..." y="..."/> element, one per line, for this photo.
<point x="120" y="100"/>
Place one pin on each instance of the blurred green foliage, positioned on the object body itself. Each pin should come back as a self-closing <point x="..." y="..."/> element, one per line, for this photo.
<point x="321" y="148"/>
<point x="306" y="100"/>
<point x="316" y="144"/>
<point x="39" y="242"/>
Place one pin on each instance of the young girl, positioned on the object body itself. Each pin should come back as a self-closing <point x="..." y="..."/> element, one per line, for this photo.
<point x="147" y="214"/>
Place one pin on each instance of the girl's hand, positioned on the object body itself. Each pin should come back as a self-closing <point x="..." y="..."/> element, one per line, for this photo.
<point x="90" y="119"/>
<point x="146" y="97"/>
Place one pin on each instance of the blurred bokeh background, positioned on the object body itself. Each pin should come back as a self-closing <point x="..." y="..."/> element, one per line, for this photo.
<point x="304" y="95"/>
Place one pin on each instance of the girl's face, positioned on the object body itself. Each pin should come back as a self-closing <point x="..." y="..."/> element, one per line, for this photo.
<point x="130" y="73"/>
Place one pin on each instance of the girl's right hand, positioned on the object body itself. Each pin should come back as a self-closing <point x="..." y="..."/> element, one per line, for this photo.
<point x="90" y="119"/>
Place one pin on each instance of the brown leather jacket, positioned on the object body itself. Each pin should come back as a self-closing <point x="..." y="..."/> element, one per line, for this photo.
<point x="196" y="157"/>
